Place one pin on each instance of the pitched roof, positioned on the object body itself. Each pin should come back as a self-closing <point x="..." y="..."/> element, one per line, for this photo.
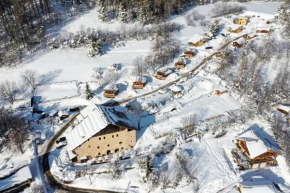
<point x="112" y="87"/>
<point x="283" y="107"/>
<point x="97" y="118"/>
<point x="196" y="38"/>
<point x="140" y="79"/>
<point x="265" y="186"/>
<point x="257" y="143"/>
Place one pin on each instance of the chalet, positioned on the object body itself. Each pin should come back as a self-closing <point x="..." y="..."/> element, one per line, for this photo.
<point x="241" y="21"/>
<point x="197" y="40"/>
<point x="257" y="184"/>
<point x="219" y="54"/>
<point x="220" y="90"/>
<point x="180" y="65"/>
<point x="176" y="90"/>
<point x="163" y="73"/>
<point x="255" y="150"/>
<point x="102" y="131"/>
<point x="236" y="29"/>
<point x="63" y="114"/>
<point x="239" y="43"/>
<point x="249" y="36"/>
<point x="139" y="83"/>
<point x="111" y="91"/>
<point x="263" y="30"/>
<point x="283" y="109"/>
<point x="188" y="54"/>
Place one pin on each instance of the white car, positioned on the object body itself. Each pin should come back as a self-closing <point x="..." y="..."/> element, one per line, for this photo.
<point x="61" y="144"/>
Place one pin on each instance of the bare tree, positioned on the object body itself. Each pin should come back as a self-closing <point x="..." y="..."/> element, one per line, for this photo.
<point x="137" y="111"/>
<point x="115" y="169"/>
<point x="8" y="91"/>
<point x="98" y="76"/>
<point x="111" y="77"/>
<point x="189" y="124"/>
<point x="29" y="78"/>
<point x="140" y="66"/>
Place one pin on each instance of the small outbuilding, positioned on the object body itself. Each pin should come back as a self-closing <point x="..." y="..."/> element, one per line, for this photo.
<point x="249" y="36"/>
<point x="283" y="109"/>
<point x="163" y="73"/>
<point x="241" y="21"/>
<point x="111" y="91"/>
<point x="263" y="30"/>
<point x="197" y="40"/>
<point x="139" y="83"/>
<point x="176" y="90"/>
<point x="220" y="90"/>
<point x="180" y="65"/>
<point x="188" y="54"/>
<point x="236" y="29"/>
<point x="239" y="43"/>
<point x="63" y="114"/>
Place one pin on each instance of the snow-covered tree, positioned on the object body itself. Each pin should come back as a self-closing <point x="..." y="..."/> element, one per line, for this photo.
<point x="95" y="47"/>
<point x="98" y="76"/>
<point x="88" y="92"/>
<point x="102" y="10"/>
<point x="123" y="12"/>
<point x="214" y="29"/>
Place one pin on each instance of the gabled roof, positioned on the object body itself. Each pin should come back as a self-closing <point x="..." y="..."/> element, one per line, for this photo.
<point x="265" y="186"/>
<point x="283" y="107"/>
<point x="196" y="38"/>
<point x="97" y="118"/>
<point x="112" y="87"/>
<point x="140" y="79"/>
<point x="263" y="28"/>
<point x="234" y="26"/>
<point x="257" y="143"/>
<point x="165" y="70"/>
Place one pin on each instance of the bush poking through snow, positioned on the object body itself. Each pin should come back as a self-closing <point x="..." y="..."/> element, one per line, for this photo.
<point x="89" y="93"/>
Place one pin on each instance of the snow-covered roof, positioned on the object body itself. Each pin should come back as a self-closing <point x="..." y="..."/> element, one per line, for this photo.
<point x="140" y="79"/>
<point x="53" y="113"/>
<point x="112" y="87"/>
<point x="284" y="108"/>
<point x="196" y="38"/>
<point x="263" y="28"/>
<point x="98" y="118"/>
<point x="256" y="144"/>
<point x="176" y="88"/>
<point x="221" y="89"/>
<point x="234" y="26"/>
<point x="62" y="112"/>
<point x="165" y="70"/>
<point x="265" y="186"/>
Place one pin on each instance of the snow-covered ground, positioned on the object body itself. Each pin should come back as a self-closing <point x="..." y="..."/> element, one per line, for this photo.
<point x="211" y="161"/>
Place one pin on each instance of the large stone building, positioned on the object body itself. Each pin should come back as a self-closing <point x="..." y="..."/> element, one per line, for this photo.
<point x="101" y="131"/>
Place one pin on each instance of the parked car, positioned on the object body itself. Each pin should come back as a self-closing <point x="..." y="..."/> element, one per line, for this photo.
<point x="37" y="141"/>
<point x="74" y="109"/>
<point x="60" y="139"/>
<point x="61" y="144"/>
<point x="209" y="47"/>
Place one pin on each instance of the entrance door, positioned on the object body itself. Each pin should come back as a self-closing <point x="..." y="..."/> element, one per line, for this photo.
<point x="108" y="152"/>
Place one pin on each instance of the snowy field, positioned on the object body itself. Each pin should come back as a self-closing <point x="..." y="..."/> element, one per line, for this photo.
<point x="211" y="161"/>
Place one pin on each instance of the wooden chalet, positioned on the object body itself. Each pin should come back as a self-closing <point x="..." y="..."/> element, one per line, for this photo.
<point x="63" y="114"/>
<point x="239" y="44"/>
<point x="241" y="21"/>
<point x="263" y="30"/>
<point x="111" y="91"/>
<point x="176" y="90"/>
<point x="188" y="54"/>
<point x="139" y="83"/>
<point x="219" y="91"/>
<point x="255" y="150"/>
<point x="249" y="37"/>
<point x="180" y="65"/>
<point x="197" y="40"/>
<point x="283" y="109"/>
<point x="163" y="73"/>
<point x="236" y="29"/>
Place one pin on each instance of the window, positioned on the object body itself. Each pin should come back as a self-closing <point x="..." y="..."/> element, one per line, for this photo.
<point x="104" y="137"/>
<point x="131" y="141"/>
<point x="100" y="138"/>
<point x="108" y="145"/>
<point x="112" y="136"/>
<point x="117" y="135"/>
<point x="99" y="153"/>
<point x="89" y="146"/>
<point x="98" y="147"/>
<point x="120" y="142"/>
<point x="122" y="148"/>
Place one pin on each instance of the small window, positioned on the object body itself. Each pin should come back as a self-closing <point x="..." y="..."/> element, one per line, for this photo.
<point x="117" y="135"/>
<point x="104" y="137"/>
<point x="108" y="145"/>
<point x="100" y="138"/>
<point x="98" y="147"/>
<point x="131" y="141"/>
<point x="89" y="146"/>
<point x="120" y="142"/>
<point x="122" y="148"/>
<point x="112" y="136"/>
<point x="99" y="153"/>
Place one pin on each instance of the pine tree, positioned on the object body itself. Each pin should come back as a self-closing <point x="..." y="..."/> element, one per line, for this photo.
<point x="149" y="167"/>
<point x="102" y="10"/>
<point x="89" y="93"/>
<point x="123" y="12"/>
